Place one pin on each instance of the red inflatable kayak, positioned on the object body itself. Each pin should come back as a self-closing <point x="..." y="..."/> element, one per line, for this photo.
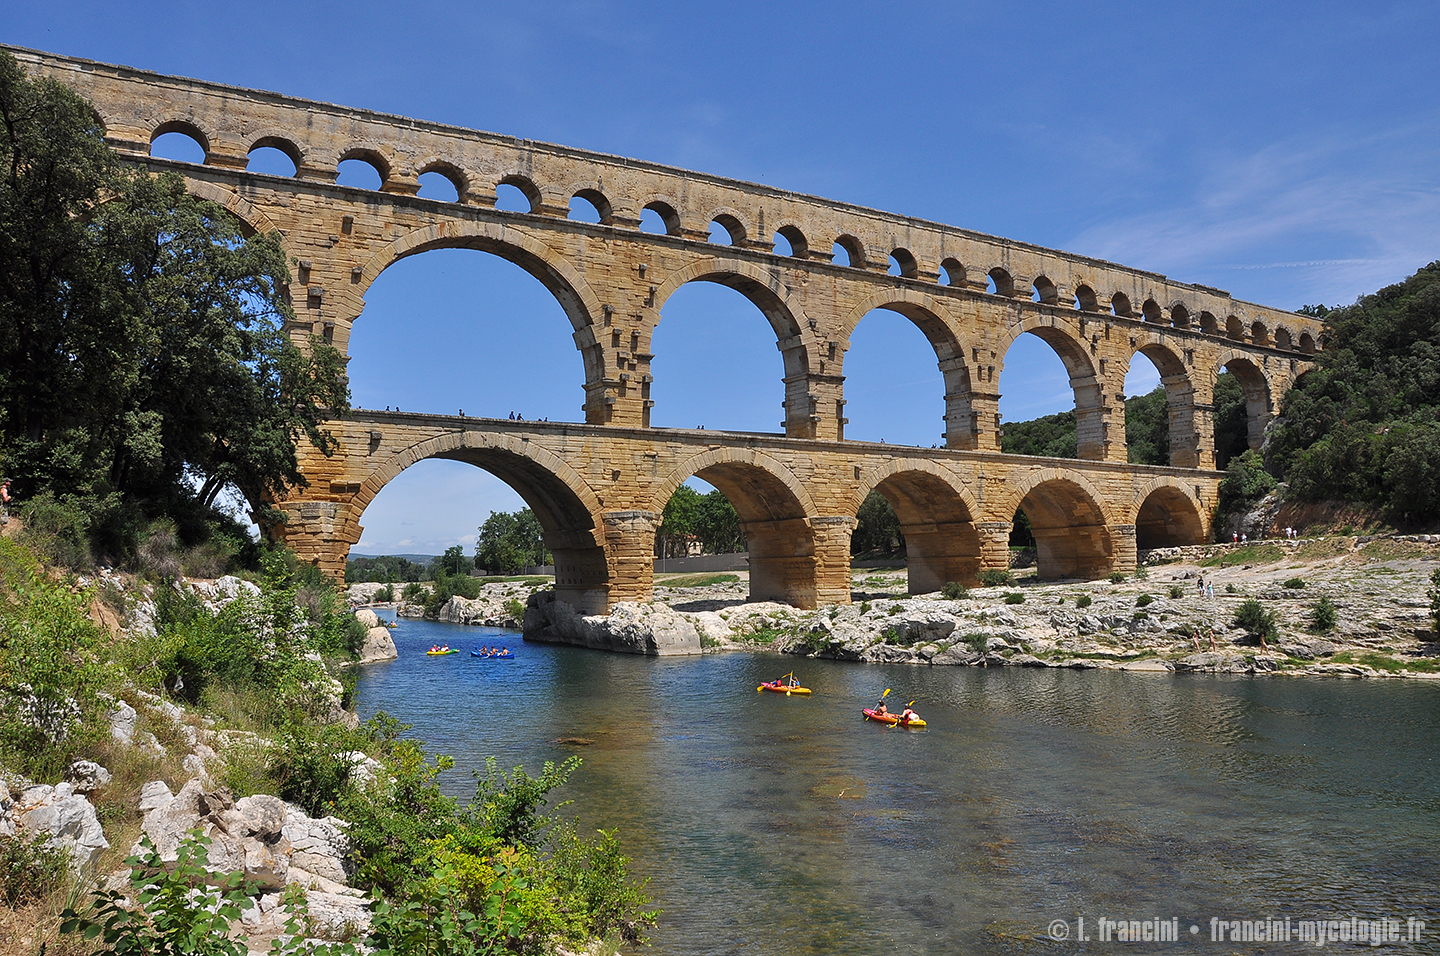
<point x="892" y="719"/>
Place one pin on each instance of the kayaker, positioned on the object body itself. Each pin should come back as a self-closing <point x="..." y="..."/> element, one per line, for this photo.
<point x="908" y="715"/>
<point x="880" y="710"/>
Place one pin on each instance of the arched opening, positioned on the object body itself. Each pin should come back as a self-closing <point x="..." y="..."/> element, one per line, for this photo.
<point x="847" y="251"/>
<point x="1179" y="316"/>
<point x="1241" y="410"/>
<point x="952" y="273"/>
<point x="516" y="194"/>
<point x="1001" y="282"/>
<point x="272" y="156"/>
<point x="457" y="329"/>
<point x="1071" y="539"/>
<point x="1085" y="299"/>
<point x="897" y="409"/>
<point x="361" y="169"/>
<point x="399" y="517"/>
<point x="1307" y="343"/>
<point x="1259" y="334"/>
<point x="708" y="359"/>
<point x="1150" y="310"/>
<point x="1050" y="399"/>
<point x="1234" y="328"/>
<point x="590" y="205"/>
<point x="1043" y="290"/>
<point x="1282" y="339"/>
<point x="941" y="542"/>
<point x="902" y="263"/>
<point x="1120" y="304"/>
<point x="794" y="242"/>
<point x="660" y="218"/>
<point x="438" y="186"/>
<point x="726" y="230"/>
<point x="179" y="142"/>
<point x="1159" y="410"/>
<point x="1168" y="519"/>
<point x="772" y="525"/>
<point x="1208" y="324"/>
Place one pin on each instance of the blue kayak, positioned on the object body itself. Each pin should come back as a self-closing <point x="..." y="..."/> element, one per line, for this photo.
<point x="507" y="656"/>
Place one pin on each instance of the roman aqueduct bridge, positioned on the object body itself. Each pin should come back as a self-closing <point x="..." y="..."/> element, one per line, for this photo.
<point x="598" y="485"/>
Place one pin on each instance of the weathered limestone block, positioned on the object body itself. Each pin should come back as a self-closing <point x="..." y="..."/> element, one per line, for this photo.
<point x="650" y="629"/>
<point x="63" y="819"/>
<point x="379" y="646"/>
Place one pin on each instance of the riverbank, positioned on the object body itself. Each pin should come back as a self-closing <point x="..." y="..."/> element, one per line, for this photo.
<point x="1158" y="619"/>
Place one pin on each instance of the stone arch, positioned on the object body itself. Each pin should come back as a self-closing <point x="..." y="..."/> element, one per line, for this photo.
<point x="1045" y="291"/>
<point x="450" y="171"/>
<point x="252" y="218"/>
<point x="733" y="223"/>
<point x="854" y="248"/>
<point x="794" y="337"/>
<point x="284" y="144"/>
<point x="1168" y="514"/>
<point x="601" y="202"/>
<point x="799" y="245"/>
<point x="1004" y="281"/>
<point x="1209" y="324"/>
<point x="1085" y="299"/>
<point x="776" y="514"/>
<point x="1120" y="304"/>
<point x="1259" y="392"/>
<point x="664" y="207"/>
<point x="953" y="271"/>
<point x="1283" y="341"/>
<point x="1090" y="408"/>
<point x="527" y="188"/>
<point x="1179" y="315"/>
<point x="1307" y="343"/>
<point x="373" y="155"/>
<point x="1259" y="334"/>
<point x="1179" y="385"/>
<point x="198" y="130"/>
<point x="556" y="273"/>
<point x="905" y="260"/>
<point x="1234" y="328"/>
<point x="1151" y="312"/>
<point x="937" y="516"/>
<point x="566" y="507"/>
<point x="1067" y="516"/>
<point x="934" y="320"/>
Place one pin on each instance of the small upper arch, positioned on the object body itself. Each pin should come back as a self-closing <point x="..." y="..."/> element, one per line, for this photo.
<point x="1003" y="280"/>
<point x="452" y="173"/>
<point x="730" y="221"/>
<point x="1085" y="299"/>
<point x="799" y="245"/>
<point x="185" y="128"/>
<point x="285" y="145"/>
<point x="1152" y="313"/>
<point x="854" y="250"/>
<point x="1307" y="343"/>
<point x="664" y="210"/>
<point x="1179" y="315"/>
<point x="1259" y="334"/>
<point x="526" y="187"/>
<point x="597" y="200"/>
<point x="952" y="273"/>
<point x="1209" y="324"/>
<point x="1282" y="339"/>
<point x="370" y="156"/>
<point x="1045" y="291"/>
<point x="1234" y="328"/>
<point x="905" y="264"/>
<point x="1120" y="304"/>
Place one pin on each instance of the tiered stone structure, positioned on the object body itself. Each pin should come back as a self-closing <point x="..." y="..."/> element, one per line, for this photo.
<point x="596" y="487"/>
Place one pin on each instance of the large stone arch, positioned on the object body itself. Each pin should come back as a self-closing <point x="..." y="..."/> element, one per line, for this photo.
<point x="794" y="338"/>
<point x="1176" y="376"/>
<point x="568" y="510"/>
<point x="252" y="218"/>
<point x="557" y="274"/>
<point x="776" y="513"/>
<point x="938" y="325"/>
<point x="937" y="517"/>
<point x="1093" y="438"/>
<point x="1168" y="513"/>
<point x="1068" y="517"/>
<point x="1255" y="381"/>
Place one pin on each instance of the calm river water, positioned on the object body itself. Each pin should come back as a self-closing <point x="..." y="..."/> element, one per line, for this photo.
<point x="773" y="825"/>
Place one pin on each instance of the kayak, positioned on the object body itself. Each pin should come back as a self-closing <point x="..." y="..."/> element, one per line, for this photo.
<point x="493" y="657"/>
<point x="787" y="691"/>
<point x="892" y="719"/>
<point x="441" y="653"/>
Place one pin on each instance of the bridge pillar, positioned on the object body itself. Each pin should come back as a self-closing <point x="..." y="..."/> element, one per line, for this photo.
<point x="941" y="552"/>
<point x="630" y="560"/>
<point x="314" y="531"/>
<point x="1122" y="539"/>
<point x="1184" y="421"/>
<point x="994" y="544"/>
<point x="804" y="562"/>
<point x="832" y="558"/>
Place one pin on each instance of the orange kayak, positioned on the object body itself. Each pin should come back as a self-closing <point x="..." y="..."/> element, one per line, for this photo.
<point x="784" y="689"/>
<point x="892" y="719"/>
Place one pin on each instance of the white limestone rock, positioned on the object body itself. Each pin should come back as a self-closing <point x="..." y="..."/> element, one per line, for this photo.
<point x="63" y="819"/>
<point x="654" y="630"/>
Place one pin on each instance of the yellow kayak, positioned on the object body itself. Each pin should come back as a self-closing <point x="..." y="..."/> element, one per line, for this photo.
<point x="785" y="689"/>
<point x="441" y="653"/>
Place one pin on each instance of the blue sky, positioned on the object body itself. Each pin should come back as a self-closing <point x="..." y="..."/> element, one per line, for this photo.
<point x="1286" y="152"/>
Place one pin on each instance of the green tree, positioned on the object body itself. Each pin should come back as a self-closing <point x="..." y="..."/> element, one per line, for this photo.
<point x="509" y="541"/>
<point x="1231" y="420"/>
<point x="143" y="362"/>
<point x="678" y="522"/>
<point x="717" y="524"/>
<point x="1147" y="428"/>
<point x="878" y="528"/>
<point x="1246" y="481"/>
<point x="454" y="561"/>
<point x="1051" y="436"/>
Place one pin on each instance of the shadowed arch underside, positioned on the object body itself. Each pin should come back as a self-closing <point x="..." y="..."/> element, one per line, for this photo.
<point x="780" y="540"/>
<point x="1071" y="536"/>
<point x="1168" y="518"/>
<point x="941" y="541"/>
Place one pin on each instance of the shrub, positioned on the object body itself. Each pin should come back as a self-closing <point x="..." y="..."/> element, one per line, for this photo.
<point x="1014" y="597"/>
<point x="954" y="591"/>
<point x="385" y="595"/>
<point x="1434" y="594"/>
<point x="515" y="608"/>
<point x="864" y="607"/>
<point x="60" y="528"/>
<point x="1231" y="589"/>
<point x="1083" y="601"/>
<point x="1142" y="573"/>
<point x="1295" y="584"/>
<point x="1116" y="577"/>
<point x="895" y="609"/>
<point x="1324" y="616"/>
<point x="994" y="577"/>
<point x="29" y="869"/>
<point x="1176" y="592"/>
<point x="414" y="592"/>
<point x="1257" y="622"/>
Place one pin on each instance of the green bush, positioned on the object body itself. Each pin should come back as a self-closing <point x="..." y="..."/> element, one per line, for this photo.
<point x="414" y="592"/>
<point x="1116" y="577"/>
<point x="995" y="577"/>
<point x="1014" y="597"/>
<point x="1324" y="616"/>
<point x="1434" y="595"/>
<point x="385" y="595"/>
<point x="1176" y="592"/>
<point x="1084" y="601"/>
<point x="60" y="528"/>
<point x="1257" y="622"/>
<point x="1295" y="583"/>
<point x="29" y="869"/>
<point x="954" y="591"/>
<point x="1143" y="600"/>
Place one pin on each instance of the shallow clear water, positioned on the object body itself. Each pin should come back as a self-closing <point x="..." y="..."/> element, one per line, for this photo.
<point x="776" y="825"/>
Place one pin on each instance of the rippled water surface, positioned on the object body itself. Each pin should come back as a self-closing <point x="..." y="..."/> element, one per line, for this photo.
<point x="774" y="825"/>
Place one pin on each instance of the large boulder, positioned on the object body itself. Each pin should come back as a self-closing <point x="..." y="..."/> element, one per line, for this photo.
<point x="379" y="645"/>
<point x="61" y="818"/>
<point x="654" y="630"/>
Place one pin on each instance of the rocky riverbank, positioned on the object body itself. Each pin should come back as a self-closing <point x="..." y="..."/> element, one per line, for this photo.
<point x="1147" y="621"/>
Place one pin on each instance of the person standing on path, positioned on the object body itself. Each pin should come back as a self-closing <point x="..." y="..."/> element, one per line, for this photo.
<point x="5" y="500"/>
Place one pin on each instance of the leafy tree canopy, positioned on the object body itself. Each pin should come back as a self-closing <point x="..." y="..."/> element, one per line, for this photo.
<point x="510" y="541"/>
<point x="709" y="518"/>
<point x="877" y="532"/>
<point x="143" y="363"/>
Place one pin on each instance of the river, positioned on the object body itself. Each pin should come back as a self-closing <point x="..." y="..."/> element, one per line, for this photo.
<point x="775" y="825"/>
